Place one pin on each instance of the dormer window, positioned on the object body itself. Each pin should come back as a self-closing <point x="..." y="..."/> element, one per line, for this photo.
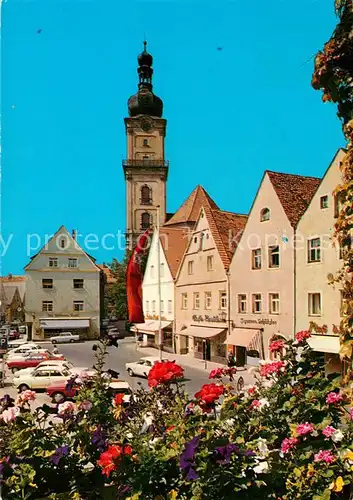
<point x="265" y="214"/>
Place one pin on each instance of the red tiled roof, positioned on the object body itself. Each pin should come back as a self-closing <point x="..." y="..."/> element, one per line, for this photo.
<point x="190" y="209"/>
<point x="108" y="274"/>
<point x="12" y="278"/>
<point x="174" y="242"/>
<point x="226" y="229"/>
<point x="294" y="192"/>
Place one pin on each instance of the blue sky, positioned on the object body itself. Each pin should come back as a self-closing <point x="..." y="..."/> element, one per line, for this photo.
<point x="231" y="113"/>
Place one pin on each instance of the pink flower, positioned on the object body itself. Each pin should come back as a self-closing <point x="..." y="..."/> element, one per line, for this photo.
<point x="351" y="413"/>
<point x="288" y="444"/>
<point x="273" y="368"/>
<point x="255" y="404"/>
<point x="10" y="414"/>
<point x="277" y="346"/>
<point x="333" y="398"/>
<point x="251" y="390"/>
<point x="303" y="429"/>
<point x="303" y="335"/>
<point x="324" y="456"/>
<point x="85" y="405"/>
<point x="328" y="431"/>
<point x="216" y="373"/>
<point x="25" y="397"/>
<point x="65" y="408"/>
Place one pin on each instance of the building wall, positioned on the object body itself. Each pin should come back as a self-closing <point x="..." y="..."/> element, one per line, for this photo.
<point x="63" y="294"/>
<point x="245" y="280"/>
<point x="313" y="277"/>
<point x="150" y="283"/>
<point x="201" y="281"/>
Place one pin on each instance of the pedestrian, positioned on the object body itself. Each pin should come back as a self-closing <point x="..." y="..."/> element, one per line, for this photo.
<point x="55" y="351"/>
<point x="231" y="360"/>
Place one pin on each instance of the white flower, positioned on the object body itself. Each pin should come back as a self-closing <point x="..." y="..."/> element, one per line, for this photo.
<point x="152" y="442"/>
<point x="263" y="402"/>
<point x="262" y="447"/>
<point x="300" y="369"/>
<point x="148" y="421"/>
<point x="230" y="422"/>
<point x="337" y="436"/>
<point x="261" y="468"/>
<point x="129" y="435"/>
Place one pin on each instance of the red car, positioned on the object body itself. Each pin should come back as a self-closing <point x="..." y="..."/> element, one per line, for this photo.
<point x="30" y="361"/>
<point x="59" y="393"/>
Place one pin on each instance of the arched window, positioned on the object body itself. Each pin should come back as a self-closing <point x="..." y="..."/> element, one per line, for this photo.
<point x="146" y="195"/>
<point x="146" y="220"/>
<point x="265" y="214"/>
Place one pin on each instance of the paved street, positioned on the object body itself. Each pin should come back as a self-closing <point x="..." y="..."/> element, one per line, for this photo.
<point x="82" y="355"/>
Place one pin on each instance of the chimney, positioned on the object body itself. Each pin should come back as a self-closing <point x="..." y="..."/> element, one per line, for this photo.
<point x="74" y="233"/>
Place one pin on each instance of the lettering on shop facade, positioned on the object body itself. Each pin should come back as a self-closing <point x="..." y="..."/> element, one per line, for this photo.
<point x="260" y="321"/>
<point x="221" y="318"/>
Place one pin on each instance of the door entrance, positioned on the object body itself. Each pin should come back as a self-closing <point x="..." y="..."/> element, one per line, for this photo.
<point x="207" y="350"/>
<point x="240" y="356"/>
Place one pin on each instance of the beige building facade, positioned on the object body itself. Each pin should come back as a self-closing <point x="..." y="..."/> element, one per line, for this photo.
<point x="262" y="284"/>
<point x="145" y="168"/>
<point x="62" y="290"/>
<point x="202" y="285"/>
<point x="318" y="259"/>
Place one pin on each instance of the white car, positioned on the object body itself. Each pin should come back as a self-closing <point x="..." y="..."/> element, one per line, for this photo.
<point x="52" y="363"/>
<point x="41" y="378"/>
<point x="142" y="367"/>
<point x="23" y="349"/>
<point x="65" y="337"/>
<point x="121" y="387"/>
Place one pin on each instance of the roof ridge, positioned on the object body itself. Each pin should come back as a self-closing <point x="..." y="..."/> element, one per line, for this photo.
<point x="289" y="173"/>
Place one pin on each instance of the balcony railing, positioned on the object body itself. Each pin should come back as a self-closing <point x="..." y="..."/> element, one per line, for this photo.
<point x="143" y="162"/>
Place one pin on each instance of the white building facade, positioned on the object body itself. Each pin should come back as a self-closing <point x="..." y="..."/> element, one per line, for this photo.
<point x="62" y="289"/>
<point x="318" y="259"/>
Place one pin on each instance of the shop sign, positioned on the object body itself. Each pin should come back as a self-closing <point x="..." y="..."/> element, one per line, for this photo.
<point x="260" y="321"/>
<point x="220" y="318"/>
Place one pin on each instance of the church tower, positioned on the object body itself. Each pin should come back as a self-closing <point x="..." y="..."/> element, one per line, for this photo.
<point x="145" y="168"/>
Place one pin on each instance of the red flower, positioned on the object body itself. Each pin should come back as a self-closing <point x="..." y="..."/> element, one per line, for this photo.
<point x="216" y="373"/>
<point x="277" y="346"/>
<point x="164" y="372"/>
<point x="273" y="368"/>
<point x="209" y="393"/>
<point x="127" y="450"/>
<point x="303" y="335"/>
<point x="170" y="428"/>
<point x="118" y="399"/>
<point x="108" y="459"/>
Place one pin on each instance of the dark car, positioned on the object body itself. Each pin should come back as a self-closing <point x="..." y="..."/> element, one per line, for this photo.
<point x="112" y="335"/>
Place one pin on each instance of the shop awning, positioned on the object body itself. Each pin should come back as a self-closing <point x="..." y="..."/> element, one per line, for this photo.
<point x="244" y="337"/>
<point x="325" y="343"/>
<point x="201" y="332"/>
<point x="150" y="327"/>
<point x="60" y="324"/>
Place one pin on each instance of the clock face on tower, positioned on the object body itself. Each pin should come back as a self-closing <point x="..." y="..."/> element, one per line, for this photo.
<point x="146" y="124"/>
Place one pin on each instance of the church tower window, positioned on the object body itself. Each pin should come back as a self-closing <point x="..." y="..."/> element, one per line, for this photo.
<point x="146" y="195"/>
<point x="146" y="220"/>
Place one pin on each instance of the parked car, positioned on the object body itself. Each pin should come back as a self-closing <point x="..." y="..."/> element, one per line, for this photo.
<point x="40" y="378"/>
<point x="14" y="335"/>
<point x="65" y="337"/>
<point x="21" y="349"/>
<point x="31" y="360"/>
<point x="142" y="367"/>
<point x="58" y="392"/>
<point x="56" y="362"/>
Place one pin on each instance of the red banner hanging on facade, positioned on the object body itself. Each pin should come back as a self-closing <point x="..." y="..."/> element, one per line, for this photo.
<point x="134" y="280"/>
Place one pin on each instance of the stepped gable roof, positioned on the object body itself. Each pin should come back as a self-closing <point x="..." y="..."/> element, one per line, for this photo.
<point x="174" y="242"/>
<point x="226" y="228"/>
<point x="190" y="209"/>
<point x="294" y="192"/>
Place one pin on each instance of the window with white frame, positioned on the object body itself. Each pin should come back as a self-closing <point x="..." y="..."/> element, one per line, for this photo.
<point x="78" y="283"/>
<point x="191" y="267"/>
<point x="147" y="306"/>
<point x="273" y="303"/>
<point x="153" y="306"/>
<point x="210" y="263"/>
<point x="314" y="304"/>
<point x="256" y="303"/>
<point x="47" y="305"/>
<point x="170" y="307"/>
<point x="223" y="300"/>
<point x="162" y="270"/>
<point x="78" y="305"/>
<point x="273" y="256"/>
<point x="72" y="263"/>
<point x="184" y="300"/>
<point x="242" y="306"/>
<point x="152" y="271"/>
<point x="162" y="306"/>
<point x="208" y="300"/>
<point x="314" y="250"/>
<point x="256" y="258"/>
<point x="196" y="300"/>
<point x="53" y="262"/>
<point x="47" y="283"/>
